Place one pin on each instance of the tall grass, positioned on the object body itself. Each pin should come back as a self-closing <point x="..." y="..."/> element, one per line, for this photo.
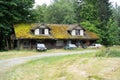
<point x="109" y="52"/>
<point x="69" y="67"/>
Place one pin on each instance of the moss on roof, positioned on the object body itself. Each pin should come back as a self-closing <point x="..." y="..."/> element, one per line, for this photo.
<point x="23" y="31"/>
<point x="57" y="31"/>
<point x="91" y="35"/>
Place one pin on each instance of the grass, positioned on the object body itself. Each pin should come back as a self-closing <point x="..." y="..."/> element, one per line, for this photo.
<point x="102" y="65"/>
<point x="112" y="52"/>
<point x="23" y="53"/>
<point x="69" y="67"/>
<point x="109" y="52"/>
<point x="15" y="53"/>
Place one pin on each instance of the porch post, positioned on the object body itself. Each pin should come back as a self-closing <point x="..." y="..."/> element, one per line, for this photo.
<point x="18" y="44"/>
<point x="30" y="44"/>
<point x="7" y="44"/>
<point x="87" y="42"/>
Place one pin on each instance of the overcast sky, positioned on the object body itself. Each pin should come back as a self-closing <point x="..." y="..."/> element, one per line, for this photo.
<point x="40" y="2"/>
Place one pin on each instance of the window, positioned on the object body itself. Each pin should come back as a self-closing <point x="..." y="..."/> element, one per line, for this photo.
<point x="79" y="32"/>
<point x="41" y="31"/>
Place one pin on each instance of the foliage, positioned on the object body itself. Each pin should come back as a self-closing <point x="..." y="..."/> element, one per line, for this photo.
<point x="86" y="11"/>
<point x="94" y="15"/>
<point x="89" y="26"/>
<point x="60" y="12"/>
<point x="116" y="16"/>
<point x="104" y="13"/>
<point x="111" y="33"/>
<point x="13" y="11"/>
<point x="41" y="13"/>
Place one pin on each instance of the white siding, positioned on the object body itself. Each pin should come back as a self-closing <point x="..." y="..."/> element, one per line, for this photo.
<point x="82" y="32"/>
<point x="46" y="31"/>
<point x="36" y="32"/>
<point x="73" y="32"/>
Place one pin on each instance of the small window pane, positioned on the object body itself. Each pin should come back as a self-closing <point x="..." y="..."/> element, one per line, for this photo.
<point x="77" y="32"/>
<point x="41" y="31"/>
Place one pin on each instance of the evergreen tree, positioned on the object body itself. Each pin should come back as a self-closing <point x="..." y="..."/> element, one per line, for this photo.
<point x="13" y="11"/>
<point x="62" y="11"/>
<point x="111" y="36"/>
<point x="86" y="14"/>
<point x="116" y="15"/>
<point x="41" y="13"/>
<point x="94" y="15"/>
<point x="104" y="13"/>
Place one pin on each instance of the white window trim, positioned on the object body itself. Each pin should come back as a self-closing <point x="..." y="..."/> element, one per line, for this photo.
<point x="73" y="32"/>
<point x="80" y="33"/>
<point x="36" y="32"/>
<point x="39" y="31"/>
<point x="46" y="31"/>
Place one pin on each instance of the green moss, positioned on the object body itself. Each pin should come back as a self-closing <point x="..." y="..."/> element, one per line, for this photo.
<point x="23" y="31"/>
<point x="59" y="31"/>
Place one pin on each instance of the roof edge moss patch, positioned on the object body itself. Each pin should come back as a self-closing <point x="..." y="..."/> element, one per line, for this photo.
<point x="57" y="31"/>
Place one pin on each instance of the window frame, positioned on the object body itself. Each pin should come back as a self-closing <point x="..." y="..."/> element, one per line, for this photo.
<point x="78" y="32"/>
<point x="41" y="31"/>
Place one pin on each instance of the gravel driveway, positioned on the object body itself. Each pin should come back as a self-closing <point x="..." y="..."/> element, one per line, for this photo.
<point x="5" y="65"/>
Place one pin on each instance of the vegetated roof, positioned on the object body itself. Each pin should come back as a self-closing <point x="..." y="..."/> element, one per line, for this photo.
<point x="23" y="31"/>
<point x="37" y="25"/>
<point x="57" y="31"/>
<point x="75" y="26"/>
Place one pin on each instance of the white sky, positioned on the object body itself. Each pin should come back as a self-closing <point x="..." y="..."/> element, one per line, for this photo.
<point x="40" y="2"/>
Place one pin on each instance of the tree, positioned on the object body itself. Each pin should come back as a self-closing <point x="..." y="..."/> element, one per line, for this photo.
<point x="13" y="11"/>
<point x="116" y="16"/>
<point x="41" y="13"/>
<point x="94" y="15"/>
<point x="104" y="12"/>
<point x="89" y="26"/>
<point x="61" y="12"/>
<point x="111" y="36"/>
<point x="86" y="10"/>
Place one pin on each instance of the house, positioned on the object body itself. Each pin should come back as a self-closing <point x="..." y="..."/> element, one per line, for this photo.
<point x="52" y="35"/>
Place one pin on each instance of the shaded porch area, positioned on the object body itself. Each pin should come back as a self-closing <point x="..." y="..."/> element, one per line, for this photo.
<point x="50" y="43"/>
